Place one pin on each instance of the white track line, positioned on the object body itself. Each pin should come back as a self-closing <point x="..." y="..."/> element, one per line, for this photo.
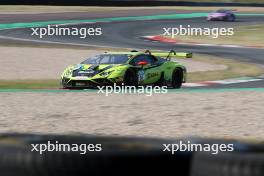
<point x="70" y="24"/>
<point x="193" y="85"/>
<point x="234" y="81"/>
<point x="220" y="82"/>
<point x="61" y="43"/>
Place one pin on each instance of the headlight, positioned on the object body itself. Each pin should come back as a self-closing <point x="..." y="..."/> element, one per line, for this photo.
<point x="67" y="73"/>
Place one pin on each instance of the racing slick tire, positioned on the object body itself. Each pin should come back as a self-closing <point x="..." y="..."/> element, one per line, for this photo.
<point x="176" y="79"/>
<point x="228" y="164"/>
<point x="63" y="84"/>
<point x="231" y="18"/>
<point x="130" y="78"/>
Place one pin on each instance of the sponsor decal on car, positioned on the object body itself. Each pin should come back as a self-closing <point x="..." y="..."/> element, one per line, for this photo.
<point x="151" y="75"/>
<point x="141" y="75"/>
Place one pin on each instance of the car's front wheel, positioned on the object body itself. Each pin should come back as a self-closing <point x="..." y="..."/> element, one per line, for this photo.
<point x="177" y="77"/>
<point x="64" y="83"/>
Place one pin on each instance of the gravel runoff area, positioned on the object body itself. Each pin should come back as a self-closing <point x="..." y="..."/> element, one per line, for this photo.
<point x="222" y="114"/>
<point x="48" y="63"/>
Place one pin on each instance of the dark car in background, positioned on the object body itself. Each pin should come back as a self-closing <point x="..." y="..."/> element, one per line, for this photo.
<point x="221" y="15"/>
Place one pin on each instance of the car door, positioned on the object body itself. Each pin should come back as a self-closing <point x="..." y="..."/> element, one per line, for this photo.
<point x="149" y="73"/>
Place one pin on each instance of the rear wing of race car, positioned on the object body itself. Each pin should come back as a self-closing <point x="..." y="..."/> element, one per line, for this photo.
<point x="172" y="53"/>
<point x="166" y="55"/>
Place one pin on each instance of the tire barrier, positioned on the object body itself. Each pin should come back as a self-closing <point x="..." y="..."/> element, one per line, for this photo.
<point x="20" y="156"/>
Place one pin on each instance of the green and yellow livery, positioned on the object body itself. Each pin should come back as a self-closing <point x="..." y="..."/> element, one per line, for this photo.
<point x="127" y="68"/>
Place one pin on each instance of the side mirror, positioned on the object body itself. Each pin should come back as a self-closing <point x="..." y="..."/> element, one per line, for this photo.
<point x="142" y="63"/>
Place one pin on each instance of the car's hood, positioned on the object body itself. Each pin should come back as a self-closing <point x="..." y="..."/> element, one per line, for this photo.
<point x="95" y="67"/>
<point x="90" y="70"/>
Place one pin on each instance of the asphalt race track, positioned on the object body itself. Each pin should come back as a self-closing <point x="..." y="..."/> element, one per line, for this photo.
<point x="128" y="34"/>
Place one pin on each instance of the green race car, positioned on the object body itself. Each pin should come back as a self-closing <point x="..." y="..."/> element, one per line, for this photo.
<point x="127" y="68"/>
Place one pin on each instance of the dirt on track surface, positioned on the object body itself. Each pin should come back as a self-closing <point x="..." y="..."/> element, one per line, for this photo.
<point x="223" y="114"/>
<point x="49" y="63"/>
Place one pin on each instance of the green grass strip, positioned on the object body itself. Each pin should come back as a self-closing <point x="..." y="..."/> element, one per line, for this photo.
<point x="133" y="18"/>
<point x="151" y="17"/>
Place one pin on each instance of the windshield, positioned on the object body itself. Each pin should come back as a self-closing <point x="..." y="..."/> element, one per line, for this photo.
<point x="107" y="59"/>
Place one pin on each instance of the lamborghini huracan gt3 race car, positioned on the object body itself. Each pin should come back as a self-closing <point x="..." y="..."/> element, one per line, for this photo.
<point x="126" y="68"/>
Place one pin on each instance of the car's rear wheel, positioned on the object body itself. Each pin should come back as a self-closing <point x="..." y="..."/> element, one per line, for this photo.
<point x="232" y="18"/>
<point x="177" y="77"/>
<point x="130" y="78"/>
